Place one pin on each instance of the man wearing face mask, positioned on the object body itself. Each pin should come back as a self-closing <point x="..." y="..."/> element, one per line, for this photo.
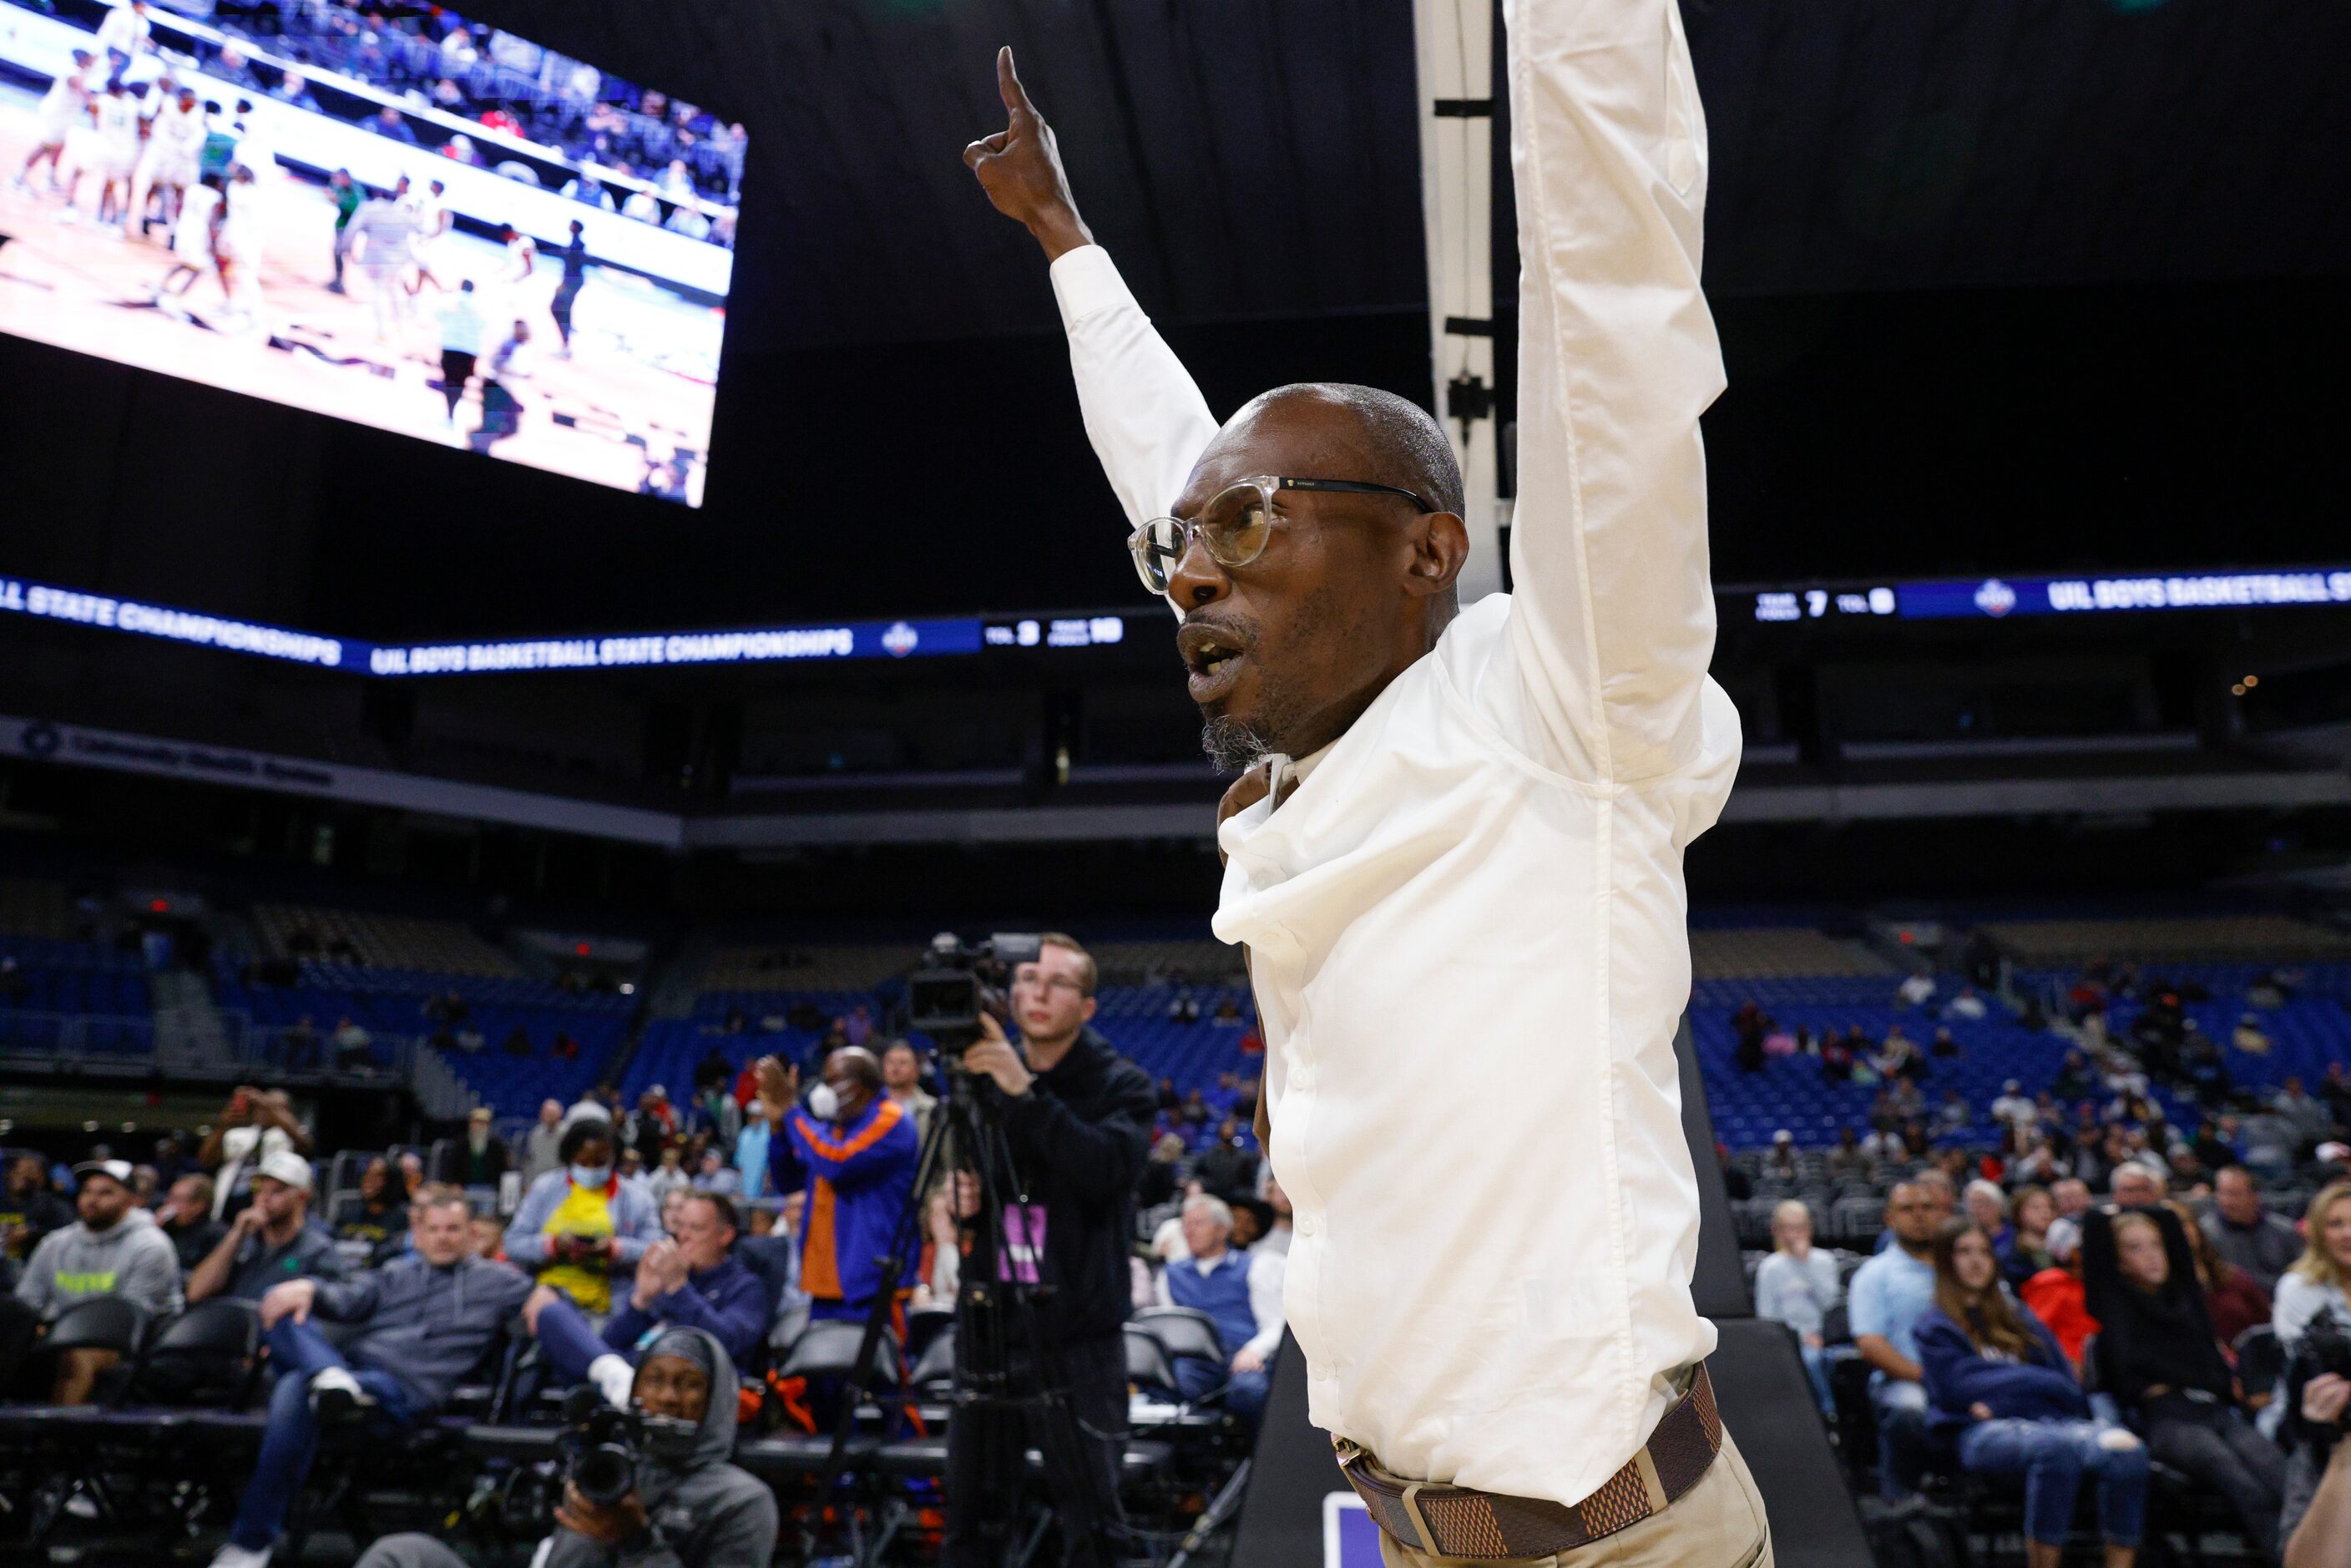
<point x="853" y="1149"/>
<point x="691" y="1508"/>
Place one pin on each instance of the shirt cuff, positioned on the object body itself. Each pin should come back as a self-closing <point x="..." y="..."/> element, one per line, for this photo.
<point x="1086" y="281"/>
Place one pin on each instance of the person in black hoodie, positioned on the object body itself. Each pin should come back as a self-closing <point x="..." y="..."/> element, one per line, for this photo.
<point x="1077" y="1117"/>
<point x="2155" y="1354"/>
<point x="691" y="1507"/>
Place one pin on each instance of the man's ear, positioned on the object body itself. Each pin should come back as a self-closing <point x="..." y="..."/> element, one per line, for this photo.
<point x="1440" y="546"/>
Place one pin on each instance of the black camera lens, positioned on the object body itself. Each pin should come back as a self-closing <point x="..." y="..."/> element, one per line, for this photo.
<point x="605" y="1474"/>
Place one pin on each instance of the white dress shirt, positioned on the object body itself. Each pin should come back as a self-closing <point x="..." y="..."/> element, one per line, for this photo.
<point x="1468" y="926"/>
<point x="1265" y="1280"/>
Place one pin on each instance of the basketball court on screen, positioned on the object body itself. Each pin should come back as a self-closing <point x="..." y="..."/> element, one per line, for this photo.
<point x="636" y="393"/>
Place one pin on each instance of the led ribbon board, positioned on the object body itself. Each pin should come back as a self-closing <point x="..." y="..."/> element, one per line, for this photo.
<point x="634" y="650"/>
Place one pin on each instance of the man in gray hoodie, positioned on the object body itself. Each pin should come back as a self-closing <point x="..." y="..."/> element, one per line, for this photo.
<point x="422" y="1321"/>
<point x="114" y="1249"/>
<point x="691" y="1508"/>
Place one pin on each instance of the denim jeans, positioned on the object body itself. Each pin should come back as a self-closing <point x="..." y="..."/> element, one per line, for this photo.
<point x="2053" y="1457"/>
<point x="1245" y="1392"/>
<point x="1900" y="1409"/>
<point x="290" y="1441"/>
<point x="568" y="1341"/>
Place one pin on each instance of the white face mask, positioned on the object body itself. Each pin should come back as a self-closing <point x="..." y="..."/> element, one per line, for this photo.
<point x="823" y="1104"/>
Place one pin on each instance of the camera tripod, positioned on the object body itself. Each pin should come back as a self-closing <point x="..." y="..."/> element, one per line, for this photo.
<point x="1004" y="1379"/>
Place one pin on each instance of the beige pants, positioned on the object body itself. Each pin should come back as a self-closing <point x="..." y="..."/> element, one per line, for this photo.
<point x="1718" y="1523"/>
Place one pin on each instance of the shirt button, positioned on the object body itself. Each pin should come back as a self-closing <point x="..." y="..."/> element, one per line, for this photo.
<point x="1307" y="1225"/>
<point x="1302" y="1078"/>
<point x="1320" y="1372"/>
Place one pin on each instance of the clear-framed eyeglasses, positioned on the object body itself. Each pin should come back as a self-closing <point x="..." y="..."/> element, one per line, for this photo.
<point x="1234" y="527"/>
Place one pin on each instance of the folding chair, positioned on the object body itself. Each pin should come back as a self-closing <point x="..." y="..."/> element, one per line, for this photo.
<point x="209" y="1355"/>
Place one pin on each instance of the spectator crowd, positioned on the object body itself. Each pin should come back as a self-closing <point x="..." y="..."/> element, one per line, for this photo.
<point x="666" y="1255"/>
<point x="427" y="77"/>
<point x="2096" y="1307"/>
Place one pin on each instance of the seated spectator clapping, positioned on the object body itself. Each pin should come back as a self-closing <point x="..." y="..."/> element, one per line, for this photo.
<point x="114" y="1249"/>
<point x="692" y="1280"/>
<point x="2001" y="1391"/>
<point x="422" y="1321"/>
<point x="2156" y="1355"/>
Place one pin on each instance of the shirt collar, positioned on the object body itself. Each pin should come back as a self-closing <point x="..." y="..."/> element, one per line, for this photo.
<point x="1304" y="767"/>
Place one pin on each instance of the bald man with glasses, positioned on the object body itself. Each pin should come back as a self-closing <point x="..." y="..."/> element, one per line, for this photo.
<point x="1450" y="812"/>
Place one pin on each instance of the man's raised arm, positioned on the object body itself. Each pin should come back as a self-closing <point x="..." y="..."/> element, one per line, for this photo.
<point x="1147" y="419"/>
<point x="1613" y="607"/>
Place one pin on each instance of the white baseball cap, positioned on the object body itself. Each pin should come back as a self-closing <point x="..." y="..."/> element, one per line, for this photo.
<point x="119" y="1169"/>
<point x="287" y="1167"/>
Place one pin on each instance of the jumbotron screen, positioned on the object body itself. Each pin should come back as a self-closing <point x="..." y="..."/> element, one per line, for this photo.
<point x="386" y="213"/>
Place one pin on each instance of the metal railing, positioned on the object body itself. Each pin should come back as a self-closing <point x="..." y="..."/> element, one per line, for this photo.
<point x="77" y="1035"/>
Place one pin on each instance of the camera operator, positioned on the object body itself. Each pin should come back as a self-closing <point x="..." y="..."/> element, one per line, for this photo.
<point x="1077" y="1116"/>
<point x="689" y="1510"/>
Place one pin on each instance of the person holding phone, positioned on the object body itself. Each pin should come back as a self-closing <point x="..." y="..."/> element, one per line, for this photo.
<point x="580" y="1226"/>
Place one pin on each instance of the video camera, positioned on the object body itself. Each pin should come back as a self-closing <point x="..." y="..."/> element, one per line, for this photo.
<point x="956" y="984"/>
<point x="604" y="1451"/>
<point x="2326" y="1345"/>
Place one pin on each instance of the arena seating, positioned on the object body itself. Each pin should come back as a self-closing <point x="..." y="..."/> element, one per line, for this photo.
<point x="378" y="941"/>
<point x="389" y="1004"/>
<point x="2268" y="938"/>
<point x="76" y="996"/>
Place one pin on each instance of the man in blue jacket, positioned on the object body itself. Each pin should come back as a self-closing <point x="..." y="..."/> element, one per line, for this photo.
<point x="855" y="1150"/>
<point x="422" y="1321"/>
<point x="689" y="1280"/>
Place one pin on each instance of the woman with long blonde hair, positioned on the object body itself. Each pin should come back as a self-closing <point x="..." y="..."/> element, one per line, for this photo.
<point x="2320" y="1279"/>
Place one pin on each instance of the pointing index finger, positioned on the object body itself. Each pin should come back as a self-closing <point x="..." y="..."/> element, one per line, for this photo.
<point x="1009" y="88"/>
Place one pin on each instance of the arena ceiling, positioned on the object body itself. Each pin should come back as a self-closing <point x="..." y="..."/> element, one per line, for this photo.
<point x="1248" y="158"/>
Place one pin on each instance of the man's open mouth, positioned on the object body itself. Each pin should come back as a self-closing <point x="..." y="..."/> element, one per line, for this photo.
<point x="1214" y="655"/>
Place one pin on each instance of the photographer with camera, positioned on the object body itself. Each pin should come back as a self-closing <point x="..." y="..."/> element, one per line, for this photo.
<point x="1077" y="1117"/>
<point x="652" y="1488"/>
